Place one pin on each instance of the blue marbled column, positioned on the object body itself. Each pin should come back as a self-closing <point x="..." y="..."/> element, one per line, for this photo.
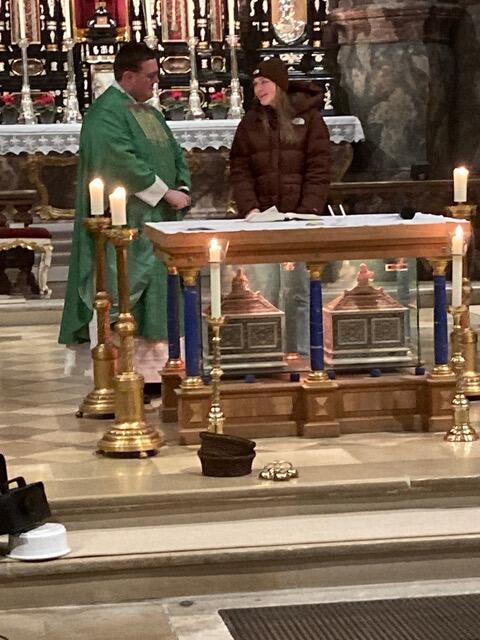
<point x="316" y="324"/>
<point x="440" y="322"/>
<point x="192" y="326"/>
<point x="172" y="316"/>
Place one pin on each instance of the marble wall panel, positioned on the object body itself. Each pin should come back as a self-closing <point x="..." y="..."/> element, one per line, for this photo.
<point x="466" y="103"/>
<point x="396" y="70"/>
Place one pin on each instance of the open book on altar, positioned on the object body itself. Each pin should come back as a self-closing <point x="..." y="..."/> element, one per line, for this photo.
<point x="273" y="215"/>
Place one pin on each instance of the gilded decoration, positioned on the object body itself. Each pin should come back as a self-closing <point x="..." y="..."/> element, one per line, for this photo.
<point x="37" y="165"/>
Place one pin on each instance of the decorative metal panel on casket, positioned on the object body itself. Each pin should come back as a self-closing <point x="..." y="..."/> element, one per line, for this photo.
<point x="365" y="327"/>
<point x="252" y="336"/>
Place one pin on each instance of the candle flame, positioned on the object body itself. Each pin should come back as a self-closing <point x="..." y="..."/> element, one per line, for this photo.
<point x="462" y="170"/>
<point x="119" y="192"/>
<point x="213" y="243"/>
<point x="97" y="182"/>
<point x="459" y="231"/>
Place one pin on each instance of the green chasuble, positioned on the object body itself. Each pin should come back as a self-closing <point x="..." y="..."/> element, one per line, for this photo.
<point x="129" y="144"/>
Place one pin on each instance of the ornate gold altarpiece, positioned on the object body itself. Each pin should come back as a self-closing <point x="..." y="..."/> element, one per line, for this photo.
<point x="315" y="406"/>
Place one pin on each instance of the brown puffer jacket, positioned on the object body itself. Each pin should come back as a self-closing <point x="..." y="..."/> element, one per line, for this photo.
<point x="292" y="176"/>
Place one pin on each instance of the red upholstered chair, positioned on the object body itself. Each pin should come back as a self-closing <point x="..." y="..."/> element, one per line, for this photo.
<point x="17" y="250"/>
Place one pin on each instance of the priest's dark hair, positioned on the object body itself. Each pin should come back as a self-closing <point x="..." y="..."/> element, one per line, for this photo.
<point x="130" y="58"/>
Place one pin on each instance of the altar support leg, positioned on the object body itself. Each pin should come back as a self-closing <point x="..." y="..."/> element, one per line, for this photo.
<point x="440" y="322"/>
<point x="317" y="362"/>
<point x="192" y="329"/>
<point x="174" y="370"/>
<point x="319" y="392"/>
<point x="174" y="358"/>
<point x="441" y="380"/>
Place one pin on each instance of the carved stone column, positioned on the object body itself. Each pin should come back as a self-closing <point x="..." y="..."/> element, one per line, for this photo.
<point x="396" y="66"/>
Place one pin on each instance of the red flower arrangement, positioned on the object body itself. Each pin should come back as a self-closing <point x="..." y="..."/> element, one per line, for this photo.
<point x="174" y="99"/>
<point x="7" y="100"/>
<point x="218" y="99"/>
<point x="44" y="101"/>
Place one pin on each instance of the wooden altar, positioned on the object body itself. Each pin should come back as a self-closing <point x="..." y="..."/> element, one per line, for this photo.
<point x="312" y="407"/>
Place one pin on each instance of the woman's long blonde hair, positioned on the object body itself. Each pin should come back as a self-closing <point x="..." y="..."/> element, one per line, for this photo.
<point x="285" y="113"/>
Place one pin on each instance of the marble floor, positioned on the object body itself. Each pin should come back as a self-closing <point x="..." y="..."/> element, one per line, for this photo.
<point x="195" y="618"/>
<point x="43" y="440"/>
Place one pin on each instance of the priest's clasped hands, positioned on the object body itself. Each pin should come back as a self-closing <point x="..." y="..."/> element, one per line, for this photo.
<point x="177" y="199"/>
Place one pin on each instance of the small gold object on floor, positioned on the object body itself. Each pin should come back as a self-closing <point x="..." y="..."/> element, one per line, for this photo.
<point x="101" y="400"/>
<point x="462" y="431"/>
<point x="279" y="470"/>
<point x="131" y="436"/>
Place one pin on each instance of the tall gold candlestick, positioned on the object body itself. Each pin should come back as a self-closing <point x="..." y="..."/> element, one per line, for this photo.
<point x="131" y="436"/>
<point x="462" y="431"/>
<point x="101" y="400"/>
<point x="216" y="419"/>
<point x="468" y="337"/>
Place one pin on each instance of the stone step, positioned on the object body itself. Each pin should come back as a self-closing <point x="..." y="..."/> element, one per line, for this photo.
<point x="18" y="311"/>
<point x="119" y="564"/>
<point x="167" y="498"/>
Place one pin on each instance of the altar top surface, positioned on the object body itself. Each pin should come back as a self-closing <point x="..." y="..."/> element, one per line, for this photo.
<point x="185" y="244"/>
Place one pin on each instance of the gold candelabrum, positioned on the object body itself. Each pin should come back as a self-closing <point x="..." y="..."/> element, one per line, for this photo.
<point x="216" y="419"/>
<point x="462" y="431"/>
<point x="468" y="337"/>
<point x="236" y="109"/>
<point x="194" y="110"/>
<point x="27" y="112"/>
<point x="101" y="400"/>
<point x="131" y="436"/>
<point x="71" y="110"/>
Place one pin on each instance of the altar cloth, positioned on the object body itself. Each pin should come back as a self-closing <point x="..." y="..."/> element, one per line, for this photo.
<point x="327" y="222"/>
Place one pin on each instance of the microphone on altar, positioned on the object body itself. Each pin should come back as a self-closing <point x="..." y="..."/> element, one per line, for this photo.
<point x="407" y="213"/>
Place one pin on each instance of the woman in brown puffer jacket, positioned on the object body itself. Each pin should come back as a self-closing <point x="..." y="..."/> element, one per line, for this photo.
<point x="281" y="156"/>
<point x="281" y="151"/>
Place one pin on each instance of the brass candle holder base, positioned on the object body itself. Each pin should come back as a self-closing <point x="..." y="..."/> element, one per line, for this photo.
<point x="100" y="401"/>
<point x="462" y="431"/>
<point x="216" y="419"/>
<point x="131" y="436"/>
<point x="471" y="377"/>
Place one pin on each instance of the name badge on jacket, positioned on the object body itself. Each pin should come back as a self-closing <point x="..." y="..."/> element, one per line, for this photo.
<point x="298" y="121"/>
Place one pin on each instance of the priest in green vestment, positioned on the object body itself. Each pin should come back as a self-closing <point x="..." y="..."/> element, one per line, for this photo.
<point x="126" y="142"/>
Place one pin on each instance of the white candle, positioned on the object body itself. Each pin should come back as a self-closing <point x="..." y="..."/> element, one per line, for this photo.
<point x="21" y="19"/>
<point x="214" y="256"/>
<point x="118" y="208"/>
<point x="96" y="197"/>
<point x="66" y="16"/>
<point x="148" y="17"/>
<point x="460" y="176"/>
<point x="231" y="17"/>
<point x="457" y="266"/>
<point x="190" y="18"/>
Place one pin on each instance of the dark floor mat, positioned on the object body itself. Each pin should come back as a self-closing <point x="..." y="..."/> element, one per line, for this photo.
<point x="438" y="618"/>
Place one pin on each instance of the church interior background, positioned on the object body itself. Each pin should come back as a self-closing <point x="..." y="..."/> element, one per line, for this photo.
<point x="364" y="486"/>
